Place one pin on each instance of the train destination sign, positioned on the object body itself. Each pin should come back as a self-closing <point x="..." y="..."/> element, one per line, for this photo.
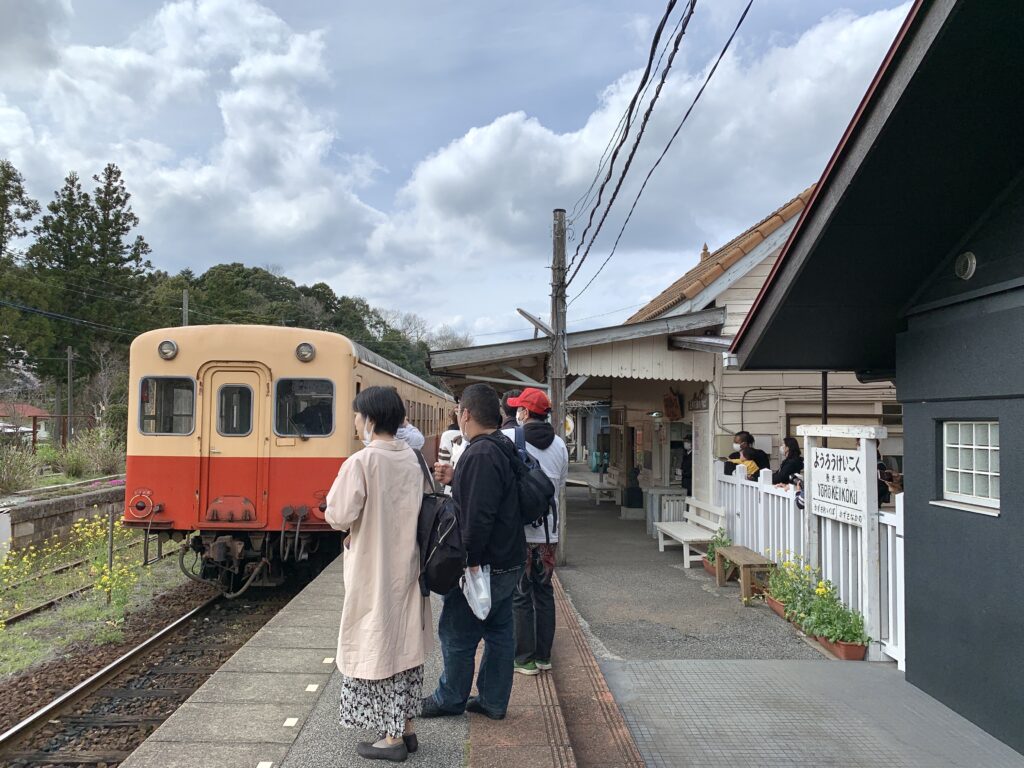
<point x="839" y="484"/>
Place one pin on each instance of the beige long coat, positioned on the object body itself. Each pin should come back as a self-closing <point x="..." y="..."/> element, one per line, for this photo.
<point x="386" y="626"/>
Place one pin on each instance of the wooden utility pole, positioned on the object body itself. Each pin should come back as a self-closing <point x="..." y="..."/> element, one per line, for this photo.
<point x="71" y="393"/>
<point x="559" y="360"/>
<point x="184" y="306"/>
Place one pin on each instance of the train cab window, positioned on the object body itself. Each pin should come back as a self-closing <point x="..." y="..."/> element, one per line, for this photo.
<point x="166" y="406"/>
<point x="234" y="410"/>
<point x="304" y="407"/>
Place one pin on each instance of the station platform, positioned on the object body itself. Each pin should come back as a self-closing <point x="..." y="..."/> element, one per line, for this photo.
<point x="274" y="704"/>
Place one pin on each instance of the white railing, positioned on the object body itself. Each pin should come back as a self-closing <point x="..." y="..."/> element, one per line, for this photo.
<point x="760" y="516"/>
<point x="766" y="519"/>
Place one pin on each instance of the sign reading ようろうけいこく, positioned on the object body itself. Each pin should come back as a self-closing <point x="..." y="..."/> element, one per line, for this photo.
<point x="839" y="484"/>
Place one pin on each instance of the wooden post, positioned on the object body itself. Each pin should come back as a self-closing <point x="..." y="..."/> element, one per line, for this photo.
<point x="870" y="564"/>
<point x="559" y="361"/>
<point x="811" y="554"/>
<point x="184" y="306"/>
<point x="71" y="393"/>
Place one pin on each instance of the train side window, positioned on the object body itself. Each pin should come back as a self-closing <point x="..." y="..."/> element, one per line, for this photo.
<point x="166" y="406"/>
<point x="234" y="410"/>
<point x="304" y="407"/>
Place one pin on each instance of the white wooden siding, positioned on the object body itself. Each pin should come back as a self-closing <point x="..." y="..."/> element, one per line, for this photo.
<point x="642" y="359"/>
<point x="739" y="297"/>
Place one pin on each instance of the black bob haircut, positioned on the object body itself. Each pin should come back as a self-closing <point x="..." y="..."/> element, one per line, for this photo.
<point x="507" y="409"/>
<point x="382" y="406"/>
<point x="482" y="401"/>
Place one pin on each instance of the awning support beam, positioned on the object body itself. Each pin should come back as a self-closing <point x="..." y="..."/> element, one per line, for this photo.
<point x="578" y="382"/>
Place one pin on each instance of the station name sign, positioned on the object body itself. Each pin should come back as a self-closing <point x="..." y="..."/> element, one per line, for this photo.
<point x="839" y="485"/>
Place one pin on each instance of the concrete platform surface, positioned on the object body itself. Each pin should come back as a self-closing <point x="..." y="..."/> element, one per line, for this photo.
<point x="793" y="713"/>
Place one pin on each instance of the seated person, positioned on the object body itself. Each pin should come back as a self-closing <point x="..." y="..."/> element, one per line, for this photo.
<point x="746" y="460"/>
<point x="315" y="419"/>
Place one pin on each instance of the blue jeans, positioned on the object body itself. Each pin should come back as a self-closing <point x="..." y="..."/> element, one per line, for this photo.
<point x="460" y="633"/>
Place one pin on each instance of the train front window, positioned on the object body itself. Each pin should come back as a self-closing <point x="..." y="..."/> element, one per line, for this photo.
<point x="234" y="410"/>
<point x="166" y="406"/>
<point x="304" y="407"/>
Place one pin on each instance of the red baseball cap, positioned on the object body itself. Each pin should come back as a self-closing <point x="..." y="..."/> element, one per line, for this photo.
<point x="533" y="400"/>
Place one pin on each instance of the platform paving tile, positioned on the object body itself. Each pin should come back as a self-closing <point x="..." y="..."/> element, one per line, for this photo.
<point x="792" y="713"/>
<point x="242" y="687"/>
<point x="294" y="637"/>
<point x="305" y="616"/>
<point x="249" y="658"/>
<point x="160" y="754"/>
<point x="197" y="723"/>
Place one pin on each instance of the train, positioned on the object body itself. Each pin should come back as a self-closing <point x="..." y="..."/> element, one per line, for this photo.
<point x="235" y="435"/>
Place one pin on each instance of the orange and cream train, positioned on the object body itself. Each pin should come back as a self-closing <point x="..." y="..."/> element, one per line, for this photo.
<point x="235" y="434"/>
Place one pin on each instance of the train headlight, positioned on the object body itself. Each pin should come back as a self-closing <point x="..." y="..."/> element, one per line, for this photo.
<point x="305" y="352"/>
<point x="167" y="349"/>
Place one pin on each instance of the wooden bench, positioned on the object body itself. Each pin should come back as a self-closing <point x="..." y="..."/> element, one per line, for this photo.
<point x="750" y="565"/>
<point x="697" y="528"/>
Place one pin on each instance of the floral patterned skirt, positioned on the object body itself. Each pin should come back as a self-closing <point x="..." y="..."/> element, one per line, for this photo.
<point x="382" y="706"/>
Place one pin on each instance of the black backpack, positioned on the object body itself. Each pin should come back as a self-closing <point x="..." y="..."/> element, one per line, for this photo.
<point x="535" y="489"/>
<point x="442" y="553"/>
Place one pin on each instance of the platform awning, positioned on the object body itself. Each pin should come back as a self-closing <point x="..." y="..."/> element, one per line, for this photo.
<point x="654" y="349"/>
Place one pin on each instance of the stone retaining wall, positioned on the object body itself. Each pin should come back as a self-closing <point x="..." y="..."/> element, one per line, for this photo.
<point x="36" y="521"/>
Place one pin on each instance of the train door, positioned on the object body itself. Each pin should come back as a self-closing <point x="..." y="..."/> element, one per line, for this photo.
<point x="233" y="445"/>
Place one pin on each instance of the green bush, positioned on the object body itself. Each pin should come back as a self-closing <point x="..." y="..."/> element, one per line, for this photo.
<point x="827" y="617"/>
<point x="94" y="451"/>
<point x="18" y="468"/>
<point x="47" y="454"/>
<point x="720" y="539"/>
<point x="116" y="422"/>
<point x="72" y="460"/>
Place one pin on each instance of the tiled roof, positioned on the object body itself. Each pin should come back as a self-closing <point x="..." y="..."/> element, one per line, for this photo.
<point x="21" y="411"/>
<point x="713" y="265"/>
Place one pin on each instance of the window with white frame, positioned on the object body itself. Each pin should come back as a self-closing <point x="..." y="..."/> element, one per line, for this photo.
<point x="971" y="462"/>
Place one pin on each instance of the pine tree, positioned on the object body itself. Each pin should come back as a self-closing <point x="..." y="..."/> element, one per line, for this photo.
<point x="17" y="209"/>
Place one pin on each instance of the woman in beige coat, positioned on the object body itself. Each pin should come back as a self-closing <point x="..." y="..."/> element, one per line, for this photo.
<point x="386" y="629"/>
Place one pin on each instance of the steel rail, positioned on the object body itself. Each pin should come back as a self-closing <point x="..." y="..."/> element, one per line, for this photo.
<point x="87" y="686"/>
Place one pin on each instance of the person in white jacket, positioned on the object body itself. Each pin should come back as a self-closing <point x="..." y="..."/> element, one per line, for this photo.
<point x="534" y="598"/>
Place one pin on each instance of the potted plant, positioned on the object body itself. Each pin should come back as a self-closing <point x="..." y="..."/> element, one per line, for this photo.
<point x="835" y="626"/>
<point x="720" y="539"/>
<point x="791" y="587"/>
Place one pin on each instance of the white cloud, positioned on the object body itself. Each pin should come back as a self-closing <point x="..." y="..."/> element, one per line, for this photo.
<point x="223" y="118"/>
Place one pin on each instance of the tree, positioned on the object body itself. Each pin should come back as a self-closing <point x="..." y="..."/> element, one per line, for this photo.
<point x="446" y="337"/>
<point x="108" y="386"/>
<point x="17" y="209"/>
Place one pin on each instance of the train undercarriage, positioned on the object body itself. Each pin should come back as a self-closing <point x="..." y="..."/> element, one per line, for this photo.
<point x="235" y="561"/>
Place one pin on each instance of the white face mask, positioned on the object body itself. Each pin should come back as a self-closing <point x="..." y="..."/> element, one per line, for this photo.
<point x="783" y="452"/>
<point x="521" y="417"/>
<point x="367" y="432"/>
<point x="736" y="446"/>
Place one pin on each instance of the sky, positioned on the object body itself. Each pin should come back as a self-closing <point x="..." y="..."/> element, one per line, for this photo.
<point x="411" y="153"/>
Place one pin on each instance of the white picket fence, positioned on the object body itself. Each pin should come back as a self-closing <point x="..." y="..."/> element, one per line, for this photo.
<point x="767" y="519"/>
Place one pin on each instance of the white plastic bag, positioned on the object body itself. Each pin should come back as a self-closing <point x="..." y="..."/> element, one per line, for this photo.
<point x="476" y="586"/>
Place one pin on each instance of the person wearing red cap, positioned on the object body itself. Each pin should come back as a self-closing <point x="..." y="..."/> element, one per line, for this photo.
<point x="534" y="597"/>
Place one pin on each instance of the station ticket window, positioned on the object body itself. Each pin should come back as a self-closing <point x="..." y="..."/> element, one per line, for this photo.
<point x="304" y="407"/>
<point x="166" y="406"/>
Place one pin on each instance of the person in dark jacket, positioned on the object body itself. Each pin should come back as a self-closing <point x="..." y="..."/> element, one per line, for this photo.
<point x="483" y="488"/>
<point x="508" y="412"/>
<point x="792" y="462"/>
<point x="744" y="439"/>
<point x="687" y="465"/>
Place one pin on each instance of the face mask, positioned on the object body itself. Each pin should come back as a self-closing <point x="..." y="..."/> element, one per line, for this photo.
<point x="736" y="446"/>
<point x="783" y="452"/>
<point x="367" y="432"/>
<point x="687" y="445"/>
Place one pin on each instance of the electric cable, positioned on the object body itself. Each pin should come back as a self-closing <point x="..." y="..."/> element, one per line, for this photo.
<point x="629" y="110"/>
<point x="636" y="142"/>
<point x="66" y="318"/>
<point x="657" y="162"/>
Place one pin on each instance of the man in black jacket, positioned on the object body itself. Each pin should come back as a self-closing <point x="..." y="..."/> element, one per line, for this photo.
<point x="483" y="488"/>
<point x="744" y="439"/>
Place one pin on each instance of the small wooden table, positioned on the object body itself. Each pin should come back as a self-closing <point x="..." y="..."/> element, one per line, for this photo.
<point x="750" y="564"/>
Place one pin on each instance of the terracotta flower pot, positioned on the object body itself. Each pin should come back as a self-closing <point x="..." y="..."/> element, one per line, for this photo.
<point x="775" y="605"/>
<point x="845" y="651"/>
<point x="708" y="566"/>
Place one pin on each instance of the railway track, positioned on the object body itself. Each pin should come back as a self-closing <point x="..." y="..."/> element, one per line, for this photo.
<point x="103" y="719"/>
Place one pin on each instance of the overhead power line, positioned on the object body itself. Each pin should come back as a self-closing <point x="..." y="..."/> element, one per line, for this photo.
<point x="629" y="119"/>
<point x="66" y="318"/>
<point x="585" y="199"/>
<point x="636" y="141"/>
<point x="657" y="162"/>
